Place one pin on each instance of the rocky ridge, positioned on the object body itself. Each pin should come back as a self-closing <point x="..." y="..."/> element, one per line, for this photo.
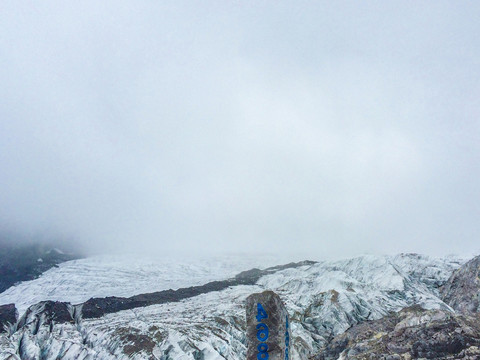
<point x="415" y="332"/>
<point x="462" y="290"/>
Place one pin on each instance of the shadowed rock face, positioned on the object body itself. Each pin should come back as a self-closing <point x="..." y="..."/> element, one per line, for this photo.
<point x="47" y="312"/>
<point x="27" y="262"/>
<point x="409" y="334"/>
<point x="8" y="315"/>
<point x="462" y="290"/>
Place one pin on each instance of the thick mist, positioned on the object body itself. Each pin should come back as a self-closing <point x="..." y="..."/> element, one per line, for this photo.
<point x="321" y="128"/>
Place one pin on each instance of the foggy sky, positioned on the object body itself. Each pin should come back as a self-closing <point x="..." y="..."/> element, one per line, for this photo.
<point x="328" y="128"/>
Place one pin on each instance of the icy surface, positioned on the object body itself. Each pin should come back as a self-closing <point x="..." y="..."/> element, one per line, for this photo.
<point x="322" y="299"/>
<point x="78" y="280"/>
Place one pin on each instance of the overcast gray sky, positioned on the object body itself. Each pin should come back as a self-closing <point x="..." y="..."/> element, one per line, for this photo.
<point x="327" y="127"/>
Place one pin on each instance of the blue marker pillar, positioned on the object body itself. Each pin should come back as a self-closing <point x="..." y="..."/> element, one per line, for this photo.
<point x="268" y="328"/>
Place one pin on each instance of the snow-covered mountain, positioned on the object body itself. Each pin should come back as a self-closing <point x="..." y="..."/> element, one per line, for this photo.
<point x="205" y="317"/>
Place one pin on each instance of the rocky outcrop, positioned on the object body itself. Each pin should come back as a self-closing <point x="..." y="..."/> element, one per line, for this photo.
<point x="462" y="290"/>
<point x="415" y="332"/>
<point x="412" y="333"/>
<point x="47" y="312"/>
<point x="8" y="316"/>
<point x="26" y="262"/>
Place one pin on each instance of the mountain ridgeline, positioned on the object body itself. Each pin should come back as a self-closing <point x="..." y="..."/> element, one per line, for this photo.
<point x="372" y="307"/>
<point x="28" y="261"/>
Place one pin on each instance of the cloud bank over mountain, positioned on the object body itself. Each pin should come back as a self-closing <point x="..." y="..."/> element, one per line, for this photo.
<point x="309" y="126"/>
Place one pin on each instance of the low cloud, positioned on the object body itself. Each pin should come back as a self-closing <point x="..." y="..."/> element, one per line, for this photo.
<point x="325" y="129"/>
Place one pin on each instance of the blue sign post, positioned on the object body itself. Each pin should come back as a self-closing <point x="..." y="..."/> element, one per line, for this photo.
<point x="268" y="328"/>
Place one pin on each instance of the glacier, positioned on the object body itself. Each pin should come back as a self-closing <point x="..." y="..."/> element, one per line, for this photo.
<point x="323" y="298"/>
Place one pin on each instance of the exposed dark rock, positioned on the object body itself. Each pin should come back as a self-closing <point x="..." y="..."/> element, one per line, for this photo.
<point x="409" y="334"/>
<point x="27" y="262"/>
<point x="291" y="265"/>
<point x="8" y="315"/>
<point x="462" y="290"/>
<point x="249" y="274"/>
<point x="97" y="307"/>
<point x="135" y="342"/>
<point x="46" y="312"/>
<point x="138" y="343"/>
